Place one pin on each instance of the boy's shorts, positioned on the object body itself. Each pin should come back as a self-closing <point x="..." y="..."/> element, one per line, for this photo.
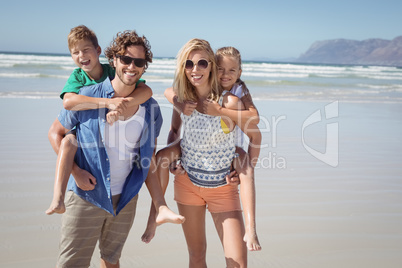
<point x="83" y="224"/>
<point x="221" y="199"/>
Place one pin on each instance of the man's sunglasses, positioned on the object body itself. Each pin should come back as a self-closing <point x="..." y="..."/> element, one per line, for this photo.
<point x="202" y="64"/>
<point x="128" y="60"/>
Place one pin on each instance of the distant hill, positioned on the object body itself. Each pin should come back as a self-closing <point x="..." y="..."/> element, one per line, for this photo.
<point x="367" y="52"/>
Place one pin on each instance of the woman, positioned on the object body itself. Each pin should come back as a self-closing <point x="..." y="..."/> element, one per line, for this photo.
<point x="208" y="149"/>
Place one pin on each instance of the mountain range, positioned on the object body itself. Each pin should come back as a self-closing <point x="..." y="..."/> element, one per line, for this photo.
<point x="367" y="52"/>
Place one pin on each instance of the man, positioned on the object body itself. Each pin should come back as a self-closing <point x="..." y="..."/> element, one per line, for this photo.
<point x="119" y="156"/>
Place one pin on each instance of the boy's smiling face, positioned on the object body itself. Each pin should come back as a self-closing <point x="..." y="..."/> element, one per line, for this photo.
<point x="85" y="55"/>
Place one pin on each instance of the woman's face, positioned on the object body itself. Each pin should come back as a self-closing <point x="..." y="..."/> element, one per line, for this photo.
<point x="198" y="68"/>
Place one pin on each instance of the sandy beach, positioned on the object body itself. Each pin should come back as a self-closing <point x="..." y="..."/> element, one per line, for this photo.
<point x="309" y="214"/>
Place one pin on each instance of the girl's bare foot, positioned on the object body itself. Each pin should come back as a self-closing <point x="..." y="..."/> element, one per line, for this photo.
<point x="166" y="215"/>
<point x="57" y="206"/>
<point x="252" y="242"/>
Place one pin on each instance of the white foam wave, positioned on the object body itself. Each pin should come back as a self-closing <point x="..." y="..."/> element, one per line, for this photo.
<point x="289" y="75"/>
<point x="31" y="75"/>
<point x="29" y="95"/>
<point x="20" y="75"/>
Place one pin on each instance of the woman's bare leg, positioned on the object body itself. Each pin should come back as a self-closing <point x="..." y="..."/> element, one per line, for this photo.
<point x="230" y="228"/>
<point x="194" y="232"/>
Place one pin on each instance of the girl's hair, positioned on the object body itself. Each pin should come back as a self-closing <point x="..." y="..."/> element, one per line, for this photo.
<point x="81" y="33"/>
<point x="181" y="85"/>
<point x="125" y="39"/>
<point x="234" y="53"/>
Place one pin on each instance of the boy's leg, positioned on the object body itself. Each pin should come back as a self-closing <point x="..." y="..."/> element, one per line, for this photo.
<point x="247" y="193"/>
<point x="159" y="212"/>
<point x="64" y="165"/>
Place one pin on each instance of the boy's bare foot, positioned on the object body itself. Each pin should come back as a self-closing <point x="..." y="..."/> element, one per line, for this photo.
<point x="252" y="242"/>
<point x="57" y="206"/>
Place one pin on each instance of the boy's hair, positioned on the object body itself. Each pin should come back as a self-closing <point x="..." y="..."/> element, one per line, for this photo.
<point x="125" y="39"/>
<point x="81" y="33"/>
<point x="234" y="53"/>
<point x="182" y="86"/>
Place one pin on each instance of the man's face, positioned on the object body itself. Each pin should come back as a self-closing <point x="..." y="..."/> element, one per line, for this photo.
<point x="129" y="74"/>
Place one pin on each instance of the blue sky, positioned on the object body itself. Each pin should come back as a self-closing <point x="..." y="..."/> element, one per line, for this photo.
<point x="259" y="29"/>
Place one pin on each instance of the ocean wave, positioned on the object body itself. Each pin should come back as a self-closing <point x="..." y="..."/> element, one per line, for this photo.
<point x="20" y="75"/>
<point x="260" y="74"/>
<point x="356" y="96"/>
<point x="30" y="95"/>
<point x="31" y="75"/>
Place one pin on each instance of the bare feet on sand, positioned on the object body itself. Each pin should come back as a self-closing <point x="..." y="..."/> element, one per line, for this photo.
<point x="252" y="242"/>
<point x="165" y="215"/>
<point x="57" y="206"/>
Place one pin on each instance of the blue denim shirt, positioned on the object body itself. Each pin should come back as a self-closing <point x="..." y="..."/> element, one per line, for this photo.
<point x="91" y="153"/>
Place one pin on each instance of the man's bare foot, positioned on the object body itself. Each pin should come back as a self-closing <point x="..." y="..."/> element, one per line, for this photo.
<point x="165" y="215"/>
<point x="57" y="206"/>
<point x="252" y="242"/>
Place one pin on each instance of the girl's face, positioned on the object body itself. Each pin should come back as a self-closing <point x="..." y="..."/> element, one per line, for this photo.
<point x="228" y="72"/>
<point x="198" y="68"/>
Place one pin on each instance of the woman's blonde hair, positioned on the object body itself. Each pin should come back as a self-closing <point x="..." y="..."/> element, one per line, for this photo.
<point x="184" y="90"/>
<point x="234" y="53"/>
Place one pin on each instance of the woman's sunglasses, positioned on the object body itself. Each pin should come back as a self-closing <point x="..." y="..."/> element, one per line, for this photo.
<point x="202" y="64"/>
<point x="128" y="60"/>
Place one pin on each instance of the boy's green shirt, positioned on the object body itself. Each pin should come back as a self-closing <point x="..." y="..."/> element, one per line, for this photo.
<point x="80" y="78"/>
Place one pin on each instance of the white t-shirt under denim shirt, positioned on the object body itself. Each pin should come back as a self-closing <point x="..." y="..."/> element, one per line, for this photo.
<point x="122" y="146"/>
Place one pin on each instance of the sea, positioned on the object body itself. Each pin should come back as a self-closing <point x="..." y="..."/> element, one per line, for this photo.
<point x="33" y="75"/>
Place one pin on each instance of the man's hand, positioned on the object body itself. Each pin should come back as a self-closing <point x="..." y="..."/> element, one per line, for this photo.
<point x="211" y="107"/>
<point x="84" y="180"/>
<point x="112" y="117"/>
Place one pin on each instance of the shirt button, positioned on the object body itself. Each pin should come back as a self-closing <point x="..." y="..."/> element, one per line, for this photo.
<point x="107" y="159"/>
<point x="108" y="179"/>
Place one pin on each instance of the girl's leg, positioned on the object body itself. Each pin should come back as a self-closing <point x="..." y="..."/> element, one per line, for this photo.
<point x="247" y="193"/>
<point x="64" y="165"/>
<point x="164" y="158"/>
<point x="194" y="232"/>
<point x="230" y="228"/>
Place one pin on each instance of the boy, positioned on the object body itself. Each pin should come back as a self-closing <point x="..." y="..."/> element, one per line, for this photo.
<point x="85" y="51"/>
